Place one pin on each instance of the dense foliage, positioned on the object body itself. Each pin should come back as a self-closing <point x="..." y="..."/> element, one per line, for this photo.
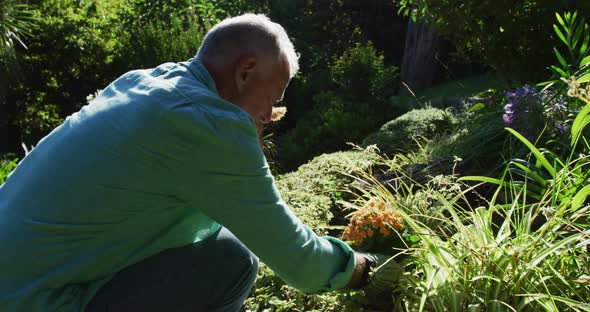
<point x="91" y="44"/>
<point x="510" y="36"/>
<point x="336" y="117"/>
<point x="6" y="167"/>
<point x="411" y="129"/>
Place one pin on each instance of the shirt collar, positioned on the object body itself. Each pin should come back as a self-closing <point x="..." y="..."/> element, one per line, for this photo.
<point x="198" y="69"/>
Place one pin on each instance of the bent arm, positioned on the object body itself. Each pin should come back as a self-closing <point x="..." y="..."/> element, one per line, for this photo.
<point x="227" y="177"/>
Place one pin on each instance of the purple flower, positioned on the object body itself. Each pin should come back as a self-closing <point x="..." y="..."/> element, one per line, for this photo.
<point x="529" y="111"/>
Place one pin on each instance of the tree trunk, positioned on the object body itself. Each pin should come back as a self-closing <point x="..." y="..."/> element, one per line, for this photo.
<point x="419" y="65"/>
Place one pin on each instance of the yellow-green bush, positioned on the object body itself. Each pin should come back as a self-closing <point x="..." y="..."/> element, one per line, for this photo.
<point x="312" y="190"/>
<point x="405" y="132"/>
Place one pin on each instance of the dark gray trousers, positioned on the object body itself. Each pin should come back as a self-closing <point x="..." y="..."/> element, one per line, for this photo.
<point x="216" y="274"/>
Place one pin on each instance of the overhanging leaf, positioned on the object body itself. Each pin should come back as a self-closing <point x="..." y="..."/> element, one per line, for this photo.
<point x="560" y="58"/>
<point x="560" y="71"/>
<point x="580" y="197"/>
<point x="559" y="33"/>
<point x="540" y="157"/>
<point x="481" y="179"/>
<point x="582" y="119"/>
<point x="584" y="78"/>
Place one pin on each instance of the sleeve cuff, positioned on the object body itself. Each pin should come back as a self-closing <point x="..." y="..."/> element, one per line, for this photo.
<point x="341" y="279"/>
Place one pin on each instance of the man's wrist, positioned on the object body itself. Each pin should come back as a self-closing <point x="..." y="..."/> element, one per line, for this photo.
<point x="360" y="276"/>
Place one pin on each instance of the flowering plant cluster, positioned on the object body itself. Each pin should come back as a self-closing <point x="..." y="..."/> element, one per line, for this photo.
<point x="530" y="112"/>
<point x="576" y="89"/>
<point x="374" y="222"/>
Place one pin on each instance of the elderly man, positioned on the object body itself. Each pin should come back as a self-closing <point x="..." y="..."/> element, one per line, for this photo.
<point x="133" y="202"/>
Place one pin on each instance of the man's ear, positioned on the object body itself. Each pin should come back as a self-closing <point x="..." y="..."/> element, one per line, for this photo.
<point x="245" y="69"/>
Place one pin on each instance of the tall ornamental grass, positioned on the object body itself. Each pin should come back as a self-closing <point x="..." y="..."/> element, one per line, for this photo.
<point x="526" y="249"/>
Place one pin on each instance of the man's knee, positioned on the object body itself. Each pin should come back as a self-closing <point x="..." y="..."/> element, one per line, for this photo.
<point x="238" y="254"/>
<point x="253" y="265"/>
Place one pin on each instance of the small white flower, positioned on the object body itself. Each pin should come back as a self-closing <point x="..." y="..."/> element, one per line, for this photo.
<point x="91" y="97"/>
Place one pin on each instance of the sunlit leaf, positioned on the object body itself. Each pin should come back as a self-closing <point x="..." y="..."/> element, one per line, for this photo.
<point x="560" y="20"/>
<point x="559" y="71"/>
<point x="582" y="119"/>
<point x="481" y="179"/>
<point x="584" y="78"/>
<point x="540" y="157"/>
<point x="577" y="34"/>
<point x="580" y="197"/>
<point x="559" y="34"/>
<point x="560" y="58"/>
<point x="584" y="46"/>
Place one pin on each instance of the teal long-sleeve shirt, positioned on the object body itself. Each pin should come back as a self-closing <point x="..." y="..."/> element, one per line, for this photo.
<point x="158" y="160"/>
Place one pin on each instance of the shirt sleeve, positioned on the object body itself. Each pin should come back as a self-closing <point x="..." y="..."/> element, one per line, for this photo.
<point x="224" y="173"/>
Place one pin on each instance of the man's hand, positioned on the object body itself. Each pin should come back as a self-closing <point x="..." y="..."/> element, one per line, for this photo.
<point x="361" y="271"/>
<point x="375" y="273"/>
<point x="386" y="273"/>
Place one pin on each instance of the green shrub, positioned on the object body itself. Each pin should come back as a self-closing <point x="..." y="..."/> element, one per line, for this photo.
<point x="312" y="190"/>
<point x="271" y="294"/>
<point x="358" y="103"/>
<point x="165" y="31"/>
<point x="72" y="53"/>
<point x="407" y="131"/>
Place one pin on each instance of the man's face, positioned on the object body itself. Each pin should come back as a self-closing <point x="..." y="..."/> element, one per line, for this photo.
<point x="265" y="87"/>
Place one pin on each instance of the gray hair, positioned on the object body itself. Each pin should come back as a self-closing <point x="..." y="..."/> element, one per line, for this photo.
<point x="249" y="32"/>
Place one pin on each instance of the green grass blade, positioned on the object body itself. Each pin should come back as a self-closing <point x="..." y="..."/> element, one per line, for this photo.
<point x="534" y="262"/>
<point x="580" y="122"/>
<point x="576" y="305"/>
<point x="481" y="179"/>
<point x="580" y="197"/>
<point x="540" y="157"/>
<point x="530" y="173"/>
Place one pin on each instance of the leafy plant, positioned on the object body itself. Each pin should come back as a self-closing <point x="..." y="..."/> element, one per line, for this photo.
<point x="18" y="21"/>
<point x="489" y="257"/>
<point x="494" y="265"/>
<point x="508" y="36"/>
<point x="534" y="113"/>
<point x="6" y="167"/>
<point x="545" y="173"/>
<point x="573" y="31"/>
<point x="363" y="85"/>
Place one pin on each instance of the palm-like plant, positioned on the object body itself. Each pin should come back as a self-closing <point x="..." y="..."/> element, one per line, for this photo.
<point x="17" y="22"/>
